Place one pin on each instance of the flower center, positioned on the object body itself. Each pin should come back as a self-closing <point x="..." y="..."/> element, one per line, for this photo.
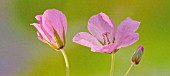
<point x="106" y="38"/>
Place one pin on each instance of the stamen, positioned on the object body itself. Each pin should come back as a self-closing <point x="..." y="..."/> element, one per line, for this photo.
<point x="106" y="38"/>
<point x="113" y="39"/>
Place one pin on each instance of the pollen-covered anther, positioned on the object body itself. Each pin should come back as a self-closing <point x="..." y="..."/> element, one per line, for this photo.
<point x="106" y="38"/>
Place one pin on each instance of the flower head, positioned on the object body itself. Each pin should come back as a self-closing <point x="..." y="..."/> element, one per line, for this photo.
<point x="105" y="37"/>
<point x="137" y="55"/>
<point x="52" y="28"/>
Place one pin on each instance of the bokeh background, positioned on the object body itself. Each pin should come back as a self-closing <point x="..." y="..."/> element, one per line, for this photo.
<point x="22" y="54"/>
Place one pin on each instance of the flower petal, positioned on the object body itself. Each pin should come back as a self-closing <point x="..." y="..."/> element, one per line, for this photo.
<point x="125" y="34"/>
<point x="108" y="48"/>
<point x="100" y="24"/>
<point x="54" y="19"/>
<point x="88" y="40"/>
<point x="43" y="33"/>
<point x="129" y="39"/>
<point x="39" y="18"/>
<point x="40" y="37"/>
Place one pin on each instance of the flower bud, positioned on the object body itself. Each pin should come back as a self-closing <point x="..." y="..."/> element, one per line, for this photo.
<point x="52" y="28"/>
<point x="137" y="55"/>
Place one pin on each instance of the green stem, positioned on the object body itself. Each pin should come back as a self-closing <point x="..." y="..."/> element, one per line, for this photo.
<point x="127" y="72"/>
<point x="66" y="61"/>
<point x="112" y="64"/>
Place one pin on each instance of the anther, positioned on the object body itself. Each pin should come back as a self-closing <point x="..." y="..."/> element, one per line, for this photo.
<point x="106" y="38"/>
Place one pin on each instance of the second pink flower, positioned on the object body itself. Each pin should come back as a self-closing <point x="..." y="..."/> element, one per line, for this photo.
<point x="105" y="37"/>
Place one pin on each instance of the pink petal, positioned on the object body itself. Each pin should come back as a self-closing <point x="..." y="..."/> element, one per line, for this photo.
<point x="88" y="40"/>
<point x="54" y="19"/>
<point x="40" y="37"/>
<point x="43" y="33"/>
<point x="108" y="48"/>
<point x="129" y="39"/>
<point x="125" y="29"/>
<point x="39" y="18"/>
<point x="140" y="48"/>
<point x="100" y="24"/>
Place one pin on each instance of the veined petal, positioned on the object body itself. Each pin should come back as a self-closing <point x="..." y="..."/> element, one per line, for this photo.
<point x="40" y="37"/>
<point x="54" y="19"/>
<point x="108" y="48"/>
<point x="43" y="33"/>
<point x="52" y="43"/>
<point x="39" y="18"/>
<point x="88" y="40"/>
<point x="100" y="24"/>
<point x="128" y="40"/>
<point x="125" y="34"/>
<point x="127" y="26"/>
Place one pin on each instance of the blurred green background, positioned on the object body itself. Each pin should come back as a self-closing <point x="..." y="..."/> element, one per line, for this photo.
<point x="22" y="54"/>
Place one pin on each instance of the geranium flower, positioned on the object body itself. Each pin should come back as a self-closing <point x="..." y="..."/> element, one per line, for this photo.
<point x="52" y="28"/>
<point x="105" y="37"/>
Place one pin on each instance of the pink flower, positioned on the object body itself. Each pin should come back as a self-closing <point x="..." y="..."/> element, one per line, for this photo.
<point x="105" y="37"/>
<point x="52" y="28"/>
<point x="137" y="56"/>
